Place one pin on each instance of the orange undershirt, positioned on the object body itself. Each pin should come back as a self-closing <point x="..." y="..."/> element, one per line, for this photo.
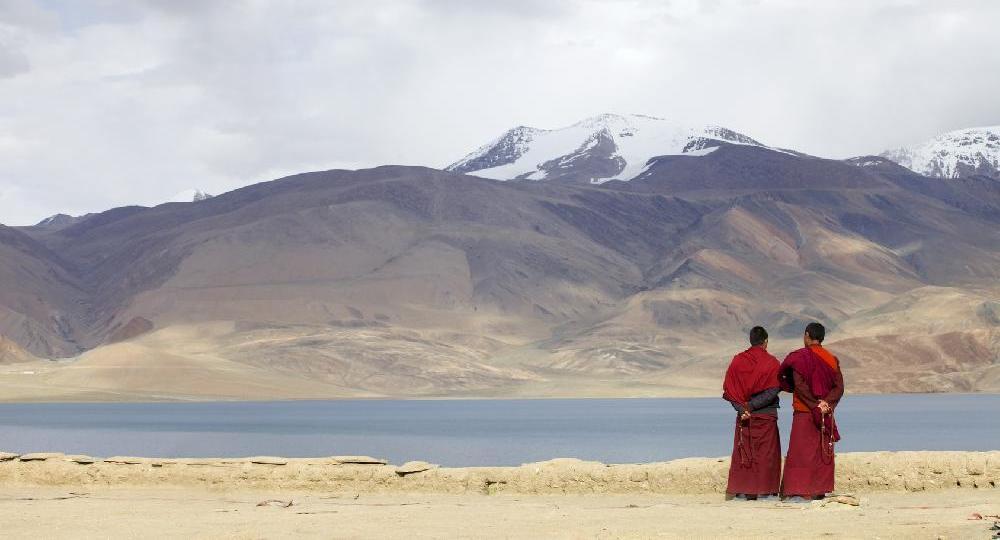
<point x="830" y="360"/>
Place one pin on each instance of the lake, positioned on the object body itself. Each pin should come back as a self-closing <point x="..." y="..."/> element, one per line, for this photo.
<point x="477" y="432"/>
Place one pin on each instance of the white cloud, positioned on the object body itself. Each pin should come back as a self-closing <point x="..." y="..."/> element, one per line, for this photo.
<point x="110" y="102"/>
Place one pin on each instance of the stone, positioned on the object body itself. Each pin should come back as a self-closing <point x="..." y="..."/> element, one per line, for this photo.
<point x="268" y="460"/>
<point x="849" y="500"/>
<point x="412" y="467"/>
<point x="565" y="463"/>
<point x="638" y="476"/>
<point x="81" y="459"/>
<point x="126" y="460"/>
<point x="40" y="456"/>
<point x="7" y="456"/>
<point x="358" y="460"/>
<point x="276" y="502"/>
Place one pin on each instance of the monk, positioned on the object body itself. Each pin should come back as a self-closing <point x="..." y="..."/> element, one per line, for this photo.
<point x="752" y="387"/>
<point x="812" y="374"/>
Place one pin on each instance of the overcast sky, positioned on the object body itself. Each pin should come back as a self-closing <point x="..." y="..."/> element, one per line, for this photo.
<point x="105" y="103"/>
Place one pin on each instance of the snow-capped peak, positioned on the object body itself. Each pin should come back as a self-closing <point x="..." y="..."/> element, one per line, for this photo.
<point x="190" y="195"/>
<point x="58" y="221"/>
<point x="598" y="149"/>
<point x="959" y="153"/>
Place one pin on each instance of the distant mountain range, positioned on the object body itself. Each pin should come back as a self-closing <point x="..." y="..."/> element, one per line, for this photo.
<point x="59" y="221"/>
<point x="956" y="154"/>
<point x="598" y="149"/>
<point x="625" y="256"/>
<point x="620" y="147"/>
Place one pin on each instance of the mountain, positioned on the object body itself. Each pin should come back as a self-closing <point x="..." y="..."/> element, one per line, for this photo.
<point x="60" y="221"/>
<point x="956" y="154"/>
<point x="190" y="195"/>
<point x="594" y="150"/>
<point x="409" y="281"/>
<point x="42" y="304"/>
<point x="12" y="353"/>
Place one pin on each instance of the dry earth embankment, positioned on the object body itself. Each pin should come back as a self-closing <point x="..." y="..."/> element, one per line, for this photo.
<point x="858" y="472"/>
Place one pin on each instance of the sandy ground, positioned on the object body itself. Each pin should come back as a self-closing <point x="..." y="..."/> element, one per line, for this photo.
<point x="886" y="495"/>
<point x="45" y="512"/>
<point x="857" y="472"/>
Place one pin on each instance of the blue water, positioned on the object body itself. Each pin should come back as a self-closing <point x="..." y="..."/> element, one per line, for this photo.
<point x="478" y="432"/>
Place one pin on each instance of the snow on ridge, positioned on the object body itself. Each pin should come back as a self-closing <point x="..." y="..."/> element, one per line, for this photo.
<point x="868" y="161"/>
<point x="953" y="154"/>
<point x="636" y="139"/>
<point x="57" y="220"/>
<point x="190" y="195"/>
<point x="515" y="142"/>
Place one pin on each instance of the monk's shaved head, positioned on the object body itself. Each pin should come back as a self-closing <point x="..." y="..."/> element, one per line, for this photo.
<point x="816" y="331"/>
<point x="758" y="336"/>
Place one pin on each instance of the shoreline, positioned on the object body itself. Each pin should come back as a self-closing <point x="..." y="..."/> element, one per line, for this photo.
<point x="857" y="472"/>
<point x="181" y="400"/>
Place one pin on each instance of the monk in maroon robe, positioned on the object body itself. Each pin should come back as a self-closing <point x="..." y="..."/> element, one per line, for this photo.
<point x="812" y="374"/>
<point x="752" y="387"/>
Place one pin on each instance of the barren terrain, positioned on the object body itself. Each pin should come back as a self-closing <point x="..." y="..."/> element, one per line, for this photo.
<point x="406" y="281"/>
<point x="888" y="495"/>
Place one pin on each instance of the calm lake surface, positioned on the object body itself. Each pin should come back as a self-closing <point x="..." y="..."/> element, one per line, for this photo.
<point x="477" y="432"/>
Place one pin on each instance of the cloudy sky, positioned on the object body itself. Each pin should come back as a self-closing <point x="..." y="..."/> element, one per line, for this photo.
<point x="105" y="103"/>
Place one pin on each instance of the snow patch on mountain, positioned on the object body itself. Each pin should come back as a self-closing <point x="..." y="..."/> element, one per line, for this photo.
<point x="59" y="221"/>
<point x="190" y="195"/>
<point x="603" y="148"/>
<point x="956" y="154"/>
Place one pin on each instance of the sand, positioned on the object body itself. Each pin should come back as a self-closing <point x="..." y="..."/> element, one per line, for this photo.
<point x="233" y="513"/>
<point x="904" y="494"/>
<point x="856" y="472"/>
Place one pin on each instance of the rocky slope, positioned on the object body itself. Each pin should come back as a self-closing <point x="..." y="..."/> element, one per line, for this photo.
<point x="42" y="303"/>
<point x="409" y="281"/>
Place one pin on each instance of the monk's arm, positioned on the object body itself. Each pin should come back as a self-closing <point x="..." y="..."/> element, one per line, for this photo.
<point x="737" y="406"/>
<point x="764" y="399"/>
<point x="803" y="392"/>
<point x="761" y="400"/>
<point x="837" y="392"/>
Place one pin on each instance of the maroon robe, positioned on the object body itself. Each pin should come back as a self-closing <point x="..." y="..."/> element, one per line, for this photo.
<point x="811" y="374"/>
<point x="755" y="468"/>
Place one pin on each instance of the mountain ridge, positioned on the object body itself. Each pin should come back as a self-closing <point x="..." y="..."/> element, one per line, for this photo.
<point x="411" y="281"/>
<point x="594" y="150"/>
<point x="955" y="154"/>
